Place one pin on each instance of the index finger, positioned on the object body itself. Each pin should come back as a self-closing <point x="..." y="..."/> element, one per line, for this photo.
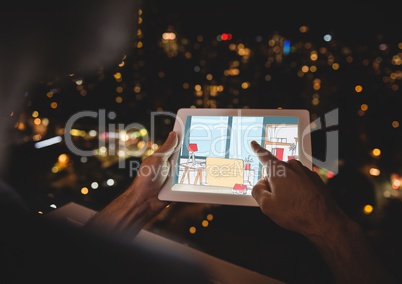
<point x="263" y="154"/>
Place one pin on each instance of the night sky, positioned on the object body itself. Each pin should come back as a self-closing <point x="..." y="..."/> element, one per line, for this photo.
<point x="352" y="22"/>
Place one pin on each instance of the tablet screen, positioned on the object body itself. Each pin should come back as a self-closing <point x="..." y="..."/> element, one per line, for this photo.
<point x="215" y="155"/>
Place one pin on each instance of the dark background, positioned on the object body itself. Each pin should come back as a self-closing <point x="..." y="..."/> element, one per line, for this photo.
<point x="365" y="44"/>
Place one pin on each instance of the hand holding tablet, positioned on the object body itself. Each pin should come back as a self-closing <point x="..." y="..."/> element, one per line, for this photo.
<point x="214" y="162"/>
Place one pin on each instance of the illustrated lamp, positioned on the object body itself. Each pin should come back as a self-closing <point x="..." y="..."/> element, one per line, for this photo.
<point x="192" y="148"/>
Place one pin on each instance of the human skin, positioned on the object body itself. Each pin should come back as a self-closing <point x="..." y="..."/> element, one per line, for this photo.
<point x="132" y="209"/>
<point x="299" y="201"/>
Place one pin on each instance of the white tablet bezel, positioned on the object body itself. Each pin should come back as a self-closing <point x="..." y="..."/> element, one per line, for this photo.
<point x="304" y="151"/>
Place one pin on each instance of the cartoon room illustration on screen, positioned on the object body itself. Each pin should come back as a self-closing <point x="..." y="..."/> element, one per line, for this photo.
<point x="282" y="141"/>
<point x="216" y="156"/>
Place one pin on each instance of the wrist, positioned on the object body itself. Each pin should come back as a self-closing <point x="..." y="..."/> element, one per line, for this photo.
<point x="331" y="227"/>
<point x="126" y="214"/>
<point x="143" y="196"/>
<point x="135" y="208"/>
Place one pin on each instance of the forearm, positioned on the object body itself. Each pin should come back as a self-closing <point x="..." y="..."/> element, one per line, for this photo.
<point x="139" y="203"/>
<point x="350" y="256"/>
<point x="125" y="215"/>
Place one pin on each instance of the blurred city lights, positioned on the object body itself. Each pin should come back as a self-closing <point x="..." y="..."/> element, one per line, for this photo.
<point x="368" y="209"/>
<point x="48" y="142"/>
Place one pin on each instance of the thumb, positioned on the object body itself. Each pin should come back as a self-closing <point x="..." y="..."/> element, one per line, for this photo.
<point x="168" y="147"/>
<point x="261" y="192"/>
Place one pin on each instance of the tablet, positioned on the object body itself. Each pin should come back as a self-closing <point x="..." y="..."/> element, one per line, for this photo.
<point x="214" y="162"/>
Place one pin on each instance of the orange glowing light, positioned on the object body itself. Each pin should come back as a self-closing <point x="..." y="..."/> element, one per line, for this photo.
<point x="192" y="230"/>
<point x="368" y="209"/>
